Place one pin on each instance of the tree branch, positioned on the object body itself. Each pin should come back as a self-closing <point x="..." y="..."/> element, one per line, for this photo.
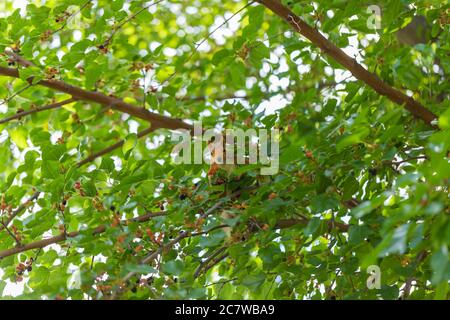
<point x="215" y="261"/>
<point x="408" y="283"/>
<point x="281" y="224"/>
<point x="184" y="234"/>
<point x="397" y="163"/>
<point x="20" y="208"/>
<point x="263" y="95"/>
<point x="358" y="71"/>
<point x="210" y="230"/>
<point x="332" y="225"/>
<point x="115" y="146"/>
<point x="10" y="233"/>
<point x="71" y="16"/>
<point x="128" y="19"/>
<point x="206" y="262"/>
<point x="15" y="94"/>
<point x="31" y="111"/>
<point x="197" y="45"/>
<point x="221" y="282"/>
<point x="79" y="164"/>
<point x="62" y="237"/>
<point x="157" y="120"/>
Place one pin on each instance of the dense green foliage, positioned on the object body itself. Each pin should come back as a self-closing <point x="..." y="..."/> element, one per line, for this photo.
<point x="361" y="182"/>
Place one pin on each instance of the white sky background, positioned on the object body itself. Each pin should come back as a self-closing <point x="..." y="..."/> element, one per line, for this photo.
<point x="269" y="106"/>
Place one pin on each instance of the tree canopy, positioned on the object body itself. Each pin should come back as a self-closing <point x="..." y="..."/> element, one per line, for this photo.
<point x="94" y="206"/>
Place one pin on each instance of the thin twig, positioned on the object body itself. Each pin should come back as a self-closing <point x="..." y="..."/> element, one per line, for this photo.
<point x="131" y="17"/>
<point x="210" y="230"/>
<point x="215" y="262"/>
<point x="205" y="263"/>
<point x="37" y="255"/>
<point x="20" y="208"/>
<point x="66" y="22"/>
<point x="184" y="234"/>
<point x="397" y="163"/>
<point x="220" y="282"/>
<point x="5" y="227"/>
<point x="35" y="110"/>
<point x="144" y="74"/>
<point x="408" y="283"/>
<point x="197" y="46"/>
<point x="112" y="148"/>
<point x="7" y="100"/>
<point x="63" y="236"/>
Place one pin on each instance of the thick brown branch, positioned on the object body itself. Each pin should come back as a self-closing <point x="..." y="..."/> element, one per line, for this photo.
<point x="157" y="120"/>
<point x="62" y="237"/>
<point x="358" y="71"/>
<point x="35" y="110"/>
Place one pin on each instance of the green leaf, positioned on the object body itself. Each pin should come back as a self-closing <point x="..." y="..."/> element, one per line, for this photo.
<point x="353" y="138"/>
<point x="93" y="73"/>
<point x="31" y="72"/>
<point x="440" y="263"/>
<point x="49" y="169"/>
<point x="19" y="136"/>
<point x="444" y="119"/>
<point x="130" y="143"/>
<point x="357" y="234"/>
<point x="220" y="56"/>
<point x="312" y="226"/>
<point x="52" y="152"/>
<point x="173" y="267"/>
<point x="256" y="16"/>
<point x="350" y="186"/>
<point x="254" y="281"/>
<point x="390" y="292"/>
